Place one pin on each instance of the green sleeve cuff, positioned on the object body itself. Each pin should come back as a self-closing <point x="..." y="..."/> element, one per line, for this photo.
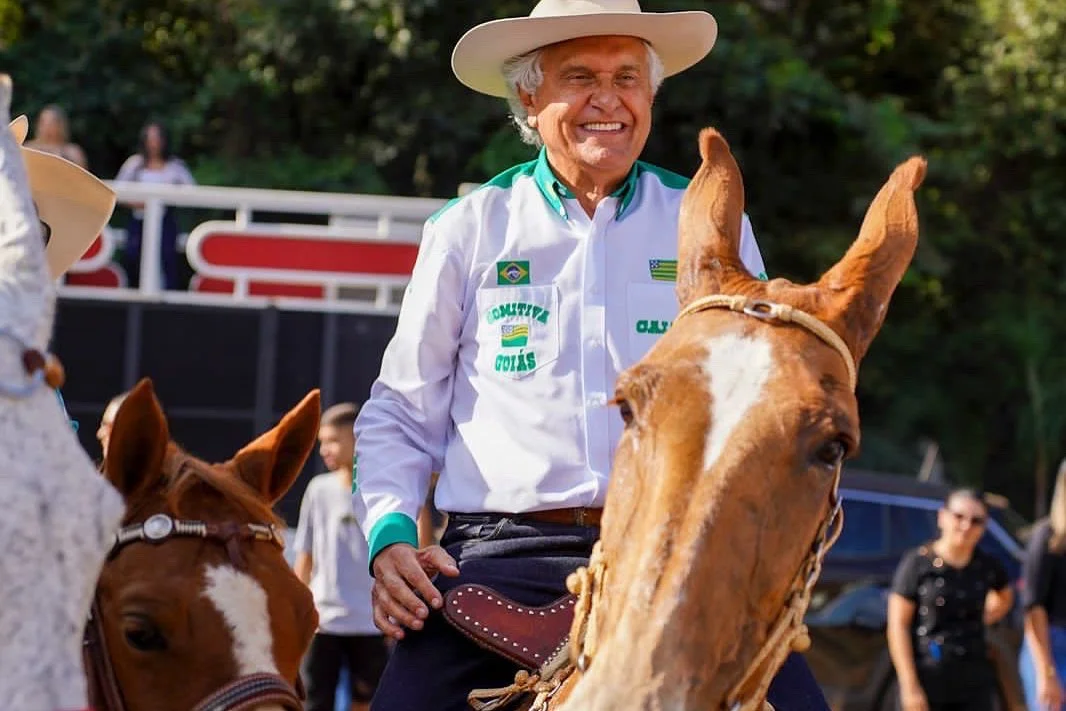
<point x="392" y="528"/>
<point x="762" y="276"/>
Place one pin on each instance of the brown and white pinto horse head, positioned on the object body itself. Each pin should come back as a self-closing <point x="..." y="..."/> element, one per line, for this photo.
<point x="186" y="616"/>
<point x="736" y="426"/>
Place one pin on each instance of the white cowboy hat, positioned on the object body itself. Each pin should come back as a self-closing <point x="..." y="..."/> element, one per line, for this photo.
<point x="71" y="200"/>
<point x="679" y="38"/>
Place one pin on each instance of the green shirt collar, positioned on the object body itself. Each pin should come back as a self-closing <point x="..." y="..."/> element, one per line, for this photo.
<point x="555" y="192"/>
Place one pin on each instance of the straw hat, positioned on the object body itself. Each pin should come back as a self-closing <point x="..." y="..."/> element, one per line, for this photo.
<point x="679" y="38"/>
<point x="75" y="203"/>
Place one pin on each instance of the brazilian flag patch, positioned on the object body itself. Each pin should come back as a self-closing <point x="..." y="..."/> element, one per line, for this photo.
<point x="512" y="273"/>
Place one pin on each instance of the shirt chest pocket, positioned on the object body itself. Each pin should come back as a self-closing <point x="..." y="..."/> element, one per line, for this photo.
<point x="651" y="308"/>
<point x="517" y="330"/>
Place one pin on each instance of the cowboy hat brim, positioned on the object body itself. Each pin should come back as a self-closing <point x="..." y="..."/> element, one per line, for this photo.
<point x="679" y="38"/>
<point x="74" y="203"/>
<point x="21" y="128"/>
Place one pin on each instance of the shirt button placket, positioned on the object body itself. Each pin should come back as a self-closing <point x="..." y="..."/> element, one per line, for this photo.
<point x="594" y="351"/>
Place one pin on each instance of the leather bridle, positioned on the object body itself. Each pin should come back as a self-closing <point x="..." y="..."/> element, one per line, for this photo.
<point x="788" y="632"/>
<point x="243" y="693"/>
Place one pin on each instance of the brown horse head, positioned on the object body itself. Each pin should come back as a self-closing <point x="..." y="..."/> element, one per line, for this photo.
<point x="737" y="423"/>
<point x="185" y="616"/>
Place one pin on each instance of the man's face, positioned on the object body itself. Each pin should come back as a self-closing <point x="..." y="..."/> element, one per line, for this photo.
<point x="593" y="108"/>
<point x="336" y="446"/>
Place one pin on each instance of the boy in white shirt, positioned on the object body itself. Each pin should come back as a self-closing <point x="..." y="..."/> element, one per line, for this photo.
<point x="332" y="559"/>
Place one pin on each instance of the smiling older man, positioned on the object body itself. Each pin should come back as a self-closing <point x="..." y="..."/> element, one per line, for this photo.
<point x="530" y="295"/>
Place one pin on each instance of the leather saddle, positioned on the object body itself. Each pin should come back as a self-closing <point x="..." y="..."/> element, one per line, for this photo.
<point x="528" y="636"/>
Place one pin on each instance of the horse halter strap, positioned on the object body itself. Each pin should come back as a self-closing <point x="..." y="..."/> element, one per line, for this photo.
<point x="244" y="693"/>
<point x="788" y="632"/>
<point x="770" y="311"/>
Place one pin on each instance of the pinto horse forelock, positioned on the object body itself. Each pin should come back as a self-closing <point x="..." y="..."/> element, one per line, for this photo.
<point x="197" y="607"/>
<point x="722" y="498"/>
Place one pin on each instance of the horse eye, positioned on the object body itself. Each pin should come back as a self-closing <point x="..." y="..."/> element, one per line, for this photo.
<point x="832" y="452"/>
<point x="625" y="411"/>
<point x="46" y="232"/>
<point x="143" y="635"/>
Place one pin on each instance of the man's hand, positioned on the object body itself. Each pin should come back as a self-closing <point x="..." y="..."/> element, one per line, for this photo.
<point x="401" y="576"/>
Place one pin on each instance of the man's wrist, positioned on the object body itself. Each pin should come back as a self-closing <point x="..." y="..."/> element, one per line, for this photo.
<point x="392" y="528"/>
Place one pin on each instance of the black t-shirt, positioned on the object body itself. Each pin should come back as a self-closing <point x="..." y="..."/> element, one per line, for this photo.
<point x="948" y="620"/>
<point x="1044" y="573"/>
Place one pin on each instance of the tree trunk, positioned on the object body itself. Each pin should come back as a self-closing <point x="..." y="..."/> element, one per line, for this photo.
<point x="1036" y="401"/>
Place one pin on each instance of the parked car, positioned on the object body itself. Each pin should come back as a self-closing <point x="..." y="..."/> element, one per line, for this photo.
<point x="884" y="516"/>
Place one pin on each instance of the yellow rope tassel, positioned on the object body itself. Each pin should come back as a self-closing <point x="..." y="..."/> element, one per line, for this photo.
<point x="585" y="582"/>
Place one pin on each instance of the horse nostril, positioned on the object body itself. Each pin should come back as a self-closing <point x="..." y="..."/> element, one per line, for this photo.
<point x="46" y="232"/>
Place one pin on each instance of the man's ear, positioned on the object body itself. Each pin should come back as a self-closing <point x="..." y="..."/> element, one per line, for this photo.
<point x="526" y="100"/>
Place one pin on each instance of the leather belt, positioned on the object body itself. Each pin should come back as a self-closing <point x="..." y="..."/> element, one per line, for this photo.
<point x="574" y="516"/>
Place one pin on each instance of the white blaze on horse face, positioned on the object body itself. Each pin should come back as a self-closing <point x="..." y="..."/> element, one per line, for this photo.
<point x="737" y="368"/>
<point x="242" y="602"/>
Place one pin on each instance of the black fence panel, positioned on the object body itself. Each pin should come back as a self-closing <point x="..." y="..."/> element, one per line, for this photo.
<point x="223" y="374"/>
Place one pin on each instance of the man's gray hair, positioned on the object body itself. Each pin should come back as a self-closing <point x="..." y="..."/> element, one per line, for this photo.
<point x="524" y="72"/>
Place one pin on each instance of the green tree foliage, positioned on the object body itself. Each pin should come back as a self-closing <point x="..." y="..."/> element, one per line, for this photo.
<point x="819" y="99"/>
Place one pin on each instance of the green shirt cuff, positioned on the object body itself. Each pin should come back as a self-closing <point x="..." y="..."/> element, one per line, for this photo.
<point x="392" y="528"/>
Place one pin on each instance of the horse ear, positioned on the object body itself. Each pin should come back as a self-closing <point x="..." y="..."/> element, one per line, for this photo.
<point x="271" y="463"/>
<point x="709" y="224"/>
<point x="856" y="291"/>
<point x="138" y="444"/>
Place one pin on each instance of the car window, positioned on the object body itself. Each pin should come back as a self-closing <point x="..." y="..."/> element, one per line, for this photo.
<point x="863" y="601"/>
<point x="864" y="531"/>
<point x="991" y="545"/>
<point x="910" y="526"/>
<point x="1012" y="521"/>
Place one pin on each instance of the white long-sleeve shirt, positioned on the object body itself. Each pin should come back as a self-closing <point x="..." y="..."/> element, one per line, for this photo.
<point x="520" y="314"/>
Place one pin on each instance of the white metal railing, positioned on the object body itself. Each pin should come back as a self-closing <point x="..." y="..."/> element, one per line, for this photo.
<point x="387" y="218"/>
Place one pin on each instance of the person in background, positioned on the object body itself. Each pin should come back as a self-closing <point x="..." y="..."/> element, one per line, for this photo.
<point x="944" y="594"/>
<point x="332" y="558"/>
<point x="1042" y="662"/>
<point x="52" y="135"/>
<point x="103" y="432"/>
<point x="153" y="163"/>
<point x="56" y="513"/>
<point x="72" y="207"/>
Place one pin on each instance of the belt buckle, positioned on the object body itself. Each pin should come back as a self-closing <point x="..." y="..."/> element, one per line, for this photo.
<point x="579" y="516"/>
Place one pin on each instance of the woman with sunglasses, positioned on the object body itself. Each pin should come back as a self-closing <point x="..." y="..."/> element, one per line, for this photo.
<point x="943" y="595"/>
<point x="1042" y="662"/>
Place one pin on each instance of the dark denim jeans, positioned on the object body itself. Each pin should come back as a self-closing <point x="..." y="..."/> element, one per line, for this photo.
<point x="435" y="668"/>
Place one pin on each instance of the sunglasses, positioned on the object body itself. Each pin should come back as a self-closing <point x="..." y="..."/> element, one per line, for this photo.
<point x="973" y="520"/>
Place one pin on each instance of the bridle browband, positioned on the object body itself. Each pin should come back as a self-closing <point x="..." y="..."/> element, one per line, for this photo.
<point x="788" y="632"/>
<point x="783" y="313"/>
<point x="244" y="693"/>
